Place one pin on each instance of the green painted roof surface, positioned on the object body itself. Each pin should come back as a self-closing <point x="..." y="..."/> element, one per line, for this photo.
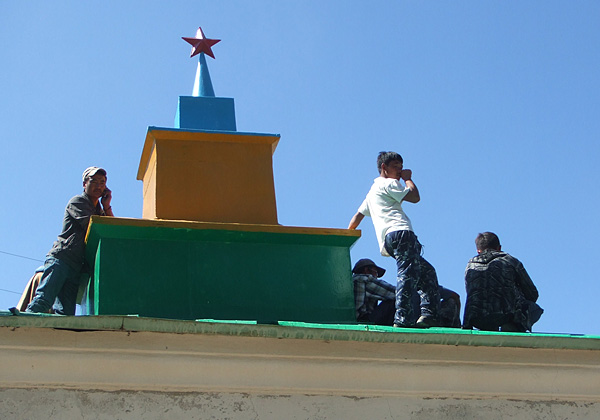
<point x="305" y="331"/>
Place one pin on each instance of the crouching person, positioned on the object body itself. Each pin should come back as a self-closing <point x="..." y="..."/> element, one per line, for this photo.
<point x="500" y="293"/>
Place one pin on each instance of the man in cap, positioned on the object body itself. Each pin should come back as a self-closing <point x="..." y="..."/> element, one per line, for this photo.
<point x="64" y="262"/>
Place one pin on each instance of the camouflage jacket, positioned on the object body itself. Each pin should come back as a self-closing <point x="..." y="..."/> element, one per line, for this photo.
<point x="498" y="289"/>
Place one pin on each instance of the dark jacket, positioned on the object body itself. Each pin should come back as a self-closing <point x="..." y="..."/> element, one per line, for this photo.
<point x="70" y="244"/>
<point x="499" y="291"/>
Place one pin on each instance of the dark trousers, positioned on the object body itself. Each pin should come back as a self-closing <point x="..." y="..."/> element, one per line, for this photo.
<point x="383" y="314"/>
<point x="414" y="273"/>
<point x="58" y="288"/>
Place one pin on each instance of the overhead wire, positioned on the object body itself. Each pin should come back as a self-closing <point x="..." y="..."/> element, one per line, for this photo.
<point x="9" y="291"/>
<point x="19" y="256"/>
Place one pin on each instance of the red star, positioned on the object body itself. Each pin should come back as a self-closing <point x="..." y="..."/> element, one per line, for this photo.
<point x="200" y="44"/>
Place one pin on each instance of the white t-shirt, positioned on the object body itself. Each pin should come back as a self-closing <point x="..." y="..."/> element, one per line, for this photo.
<point x="384" y="205"/>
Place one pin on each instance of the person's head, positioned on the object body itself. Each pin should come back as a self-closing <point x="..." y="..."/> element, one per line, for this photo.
<point x="94" y="181"/>
<point x="487" y="240"/>
<point x="389" y="164"/>
<point x="367" y="266"/>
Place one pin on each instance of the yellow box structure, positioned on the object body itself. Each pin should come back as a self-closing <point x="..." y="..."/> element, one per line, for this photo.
<point x="208" y="176"/>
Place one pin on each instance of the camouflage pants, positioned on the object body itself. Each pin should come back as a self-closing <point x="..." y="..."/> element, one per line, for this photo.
<point x="414" y="273"/>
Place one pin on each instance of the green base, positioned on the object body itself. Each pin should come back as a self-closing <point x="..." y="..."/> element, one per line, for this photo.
<point x="187" y="270"/>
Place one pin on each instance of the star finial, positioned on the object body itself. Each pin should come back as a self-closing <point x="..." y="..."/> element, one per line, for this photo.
<point x="201" y="44"/>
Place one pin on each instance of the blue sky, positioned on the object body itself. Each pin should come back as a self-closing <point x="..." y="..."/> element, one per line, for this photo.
<point x="493" y="105"/>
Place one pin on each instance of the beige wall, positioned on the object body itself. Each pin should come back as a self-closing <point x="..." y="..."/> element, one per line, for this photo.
<point x="64" y="404"/>
<point x="63" y="374"/>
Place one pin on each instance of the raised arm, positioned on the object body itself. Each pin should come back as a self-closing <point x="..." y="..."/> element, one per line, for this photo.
<point x="413" y="196"/>
<point x="356" y="219"/>
<point x="105" y="201"/>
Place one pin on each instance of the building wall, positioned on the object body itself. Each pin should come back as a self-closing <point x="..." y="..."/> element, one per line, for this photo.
<point x="67" y="404"/>
<point x="275" y="372"/>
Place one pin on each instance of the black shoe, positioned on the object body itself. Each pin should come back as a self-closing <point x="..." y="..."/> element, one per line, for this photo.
<point x="400" y="325"/>
<point x="426" y="321"/>
<point x="512" y="327"/>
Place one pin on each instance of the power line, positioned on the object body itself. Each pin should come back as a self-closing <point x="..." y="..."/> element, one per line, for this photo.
<point x="20" y="256"/>
<point x="9" y="291"/>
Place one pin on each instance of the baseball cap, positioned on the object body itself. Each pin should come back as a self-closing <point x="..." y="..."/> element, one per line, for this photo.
<point x="91" y="171"/>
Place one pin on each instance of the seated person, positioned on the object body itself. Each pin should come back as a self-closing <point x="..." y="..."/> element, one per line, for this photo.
<point x="500" y="293"/>
<point x="449" y="315"/>
<point x="30" y="288"/>
<point x="34" y="282"/>
<point x="369" y="290"/>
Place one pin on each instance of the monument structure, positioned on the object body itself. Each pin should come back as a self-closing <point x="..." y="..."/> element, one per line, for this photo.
<point x="190" y="259"/>
<point x="209" y="245"/>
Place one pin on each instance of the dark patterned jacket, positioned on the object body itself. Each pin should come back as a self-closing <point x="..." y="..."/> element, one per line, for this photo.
<point x="499" y="291"/>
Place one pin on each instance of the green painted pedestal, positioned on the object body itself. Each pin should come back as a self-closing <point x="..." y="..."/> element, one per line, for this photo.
<point x="195" y="270"/>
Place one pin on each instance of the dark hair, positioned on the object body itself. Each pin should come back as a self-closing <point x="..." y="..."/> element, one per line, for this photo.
<point x="487" y="240"/>
<point x="386" y="158"/>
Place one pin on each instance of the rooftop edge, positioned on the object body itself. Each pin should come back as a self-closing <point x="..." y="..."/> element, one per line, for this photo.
<point x="305" y="331"/>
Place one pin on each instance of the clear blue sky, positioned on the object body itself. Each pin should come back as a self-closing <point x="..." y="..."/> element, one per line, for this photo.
<point x="494" y="106"/>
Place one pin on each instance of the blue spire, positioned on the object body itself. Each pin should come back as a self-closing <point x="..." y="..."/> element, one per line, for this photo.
<point x="202" y="110"/>
<point x="202" y="84"/>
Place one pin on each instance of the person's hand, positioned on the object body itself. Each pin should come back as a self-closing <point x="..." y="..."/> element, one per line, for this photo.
<point x="406" y="174"/>
<point x="106" y="198"/>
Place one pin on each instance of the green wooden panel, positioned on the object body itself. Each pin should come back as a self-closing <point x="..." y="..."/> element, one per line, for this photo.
<point x="219" y="274"/>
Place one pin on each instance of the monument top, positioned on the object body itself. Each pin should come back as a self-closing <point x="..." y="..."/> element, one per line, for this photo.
<point x="201" y="46"/>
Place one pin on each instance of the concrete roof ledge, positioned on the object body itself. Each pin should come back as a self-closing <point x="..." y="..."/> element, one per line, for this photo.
<point x="331" y="371"/>
<point x="306" y="331"/>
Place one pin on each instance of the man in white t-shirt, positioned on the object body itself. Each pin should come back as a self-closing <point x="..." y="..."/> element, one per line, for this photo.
<point x="396" y="238"/>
